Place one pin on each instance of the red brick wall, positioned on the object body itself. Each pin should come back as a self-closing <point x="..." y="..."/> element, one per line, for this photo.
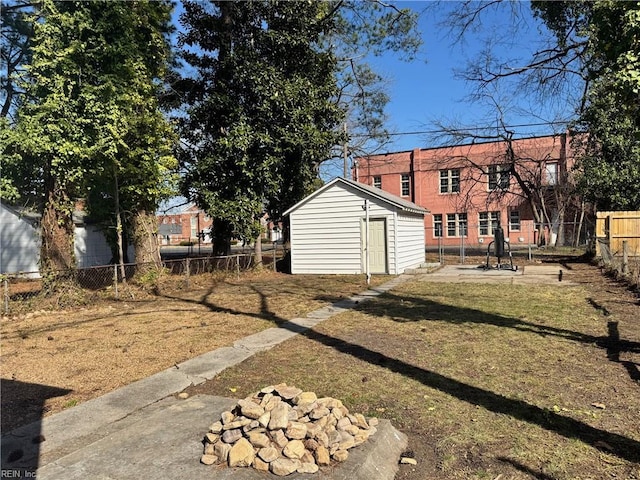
<point x="424" y="165"/>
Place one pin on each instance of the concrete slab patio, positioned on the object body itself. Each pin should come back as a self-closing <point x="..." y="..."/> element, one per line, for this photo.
<point x="165" y="443"/>
<point x="548" y="274"/>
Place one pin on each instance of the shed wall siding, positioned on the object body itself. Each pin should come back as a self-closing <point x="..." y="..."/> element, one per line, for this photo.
<point x="326" y="232"/>
<point x="91" y="247"/>
<point x="410" y="241"/>
<point x="19" y="244"/>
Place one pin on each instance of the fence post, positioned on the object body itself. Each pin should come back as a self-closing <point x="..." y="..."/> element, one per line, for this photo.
<point x="188" y="270"/>
<point x="115" y="280"/>
<point x="275" y="248"/>
<point x="238" y="266"/>
<point x="6" y="295"/>
<point x="625" y="257"/>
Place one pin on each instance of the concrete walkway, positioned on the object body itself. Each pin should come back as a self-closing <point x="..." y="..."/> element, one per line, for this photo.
<point x="143" y="428"/>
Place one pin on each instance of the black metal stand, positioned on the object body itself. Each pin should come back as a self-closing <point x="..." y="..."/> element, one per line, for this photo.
<point x="500" y="265"/>
<point x="499" y="251"/>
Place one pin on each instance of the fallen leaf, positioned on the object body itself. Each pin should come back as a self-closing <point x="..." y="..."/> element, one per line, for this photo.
<point x="233" y="389"/>
<point x="601" y="406"/>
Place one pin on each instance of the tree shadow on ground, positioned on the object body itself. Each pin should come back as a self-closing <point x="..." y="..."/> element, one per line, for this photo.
<point x="612" y="443"/>
<point x="403" y="308"/>
<point x="23" y="404"/>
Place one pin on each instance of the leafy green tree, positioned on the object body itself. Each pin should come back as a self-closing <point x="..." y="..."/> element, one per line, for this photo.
<point x="260" y="117"/>
<point x="275" y="83"/>
<point x="91" y="116"/>
<point x="610" y="160"/>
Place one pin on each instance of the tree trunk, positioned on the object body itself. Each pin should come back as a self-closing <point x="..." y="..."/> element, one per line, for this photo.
<point x="257" y="252"/>
<point x="57" y="254"/>
<point x="145" y="240"/>
<point x="221" y="232"/>
<point x="576" y="242"/>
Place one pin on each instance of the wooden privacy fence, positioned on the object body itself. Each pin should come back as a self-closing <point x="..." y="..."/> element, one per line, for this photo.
<point x="617" y="229"/>
<point x="618" y="242"/>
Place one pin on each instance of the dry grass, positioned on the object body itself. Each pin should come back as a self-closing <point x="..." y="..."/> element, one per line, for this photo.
<point x="91" y="350"/>
<point x="488" y="381"/>
<point x="485" y="380"/>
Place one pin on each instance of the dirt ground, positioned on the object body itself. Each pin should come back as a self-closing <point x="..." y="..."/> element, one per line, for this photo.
<point x="571" y="412"/>
<point x="483" y="391"/>
<point x="55" y="359"/>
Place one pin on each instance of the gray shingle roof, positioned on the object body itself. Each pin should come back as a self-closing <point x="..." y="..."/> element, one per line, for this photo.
<point x="387" y="197"/>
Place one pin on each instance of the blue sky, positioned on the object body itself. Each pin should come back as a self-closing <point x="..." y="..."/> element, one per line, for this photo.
<point x="426" y="90"/>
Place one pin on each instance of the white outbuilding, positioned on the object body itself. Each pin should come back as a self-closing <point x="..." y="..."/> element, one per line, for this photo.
<point x="347" y="227"/>
<point x="20" y="242"/>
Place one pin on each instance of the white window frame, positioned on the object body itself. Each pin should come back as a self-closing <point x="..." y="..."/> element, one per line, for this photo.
<point x="551" y="173"/>
<point x="438" y="231"/>
<point x="377" y="182"/>
<point x="498" y="177"/>
<point x="457" y="222"/>
<point x="513" y="226"/>
<point x="449" y="181"/>
<point x="405" y="185"/>
<point x="487" y="223"/>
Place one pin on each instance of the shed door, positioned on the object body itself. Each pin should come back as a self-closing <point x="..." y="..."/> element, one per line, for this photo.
<point x="377" y="245"/>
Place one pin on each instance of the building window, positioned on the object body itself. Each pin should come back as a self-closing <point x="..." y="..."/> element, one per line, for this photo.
<point x="456" y="224"/>
<point x="437" y="225"/>
<point x="404" y="185"/>
<point x="194" y="227"/>
<point x="514" y="220"/>
<point x="551" y="173"/>
<point x="498" y="177"/>
<point x="488" y="222"/>
<point x="450" y="181"/>
<point x="377" y="182"/>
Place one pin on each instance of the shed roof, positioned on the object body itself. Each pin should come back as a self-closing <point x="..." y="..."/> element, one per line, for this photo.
<point x="375" y="192"/>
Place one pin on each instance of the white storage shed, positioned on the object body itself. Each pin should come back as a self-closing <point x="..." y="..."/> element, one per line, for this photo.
<point x="328" y="231"/>
<point x="20" y="242"/>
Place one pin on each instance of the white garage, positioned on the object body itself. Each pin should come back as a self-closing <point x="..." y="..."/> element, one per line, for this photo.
<point x="328" y="231"/>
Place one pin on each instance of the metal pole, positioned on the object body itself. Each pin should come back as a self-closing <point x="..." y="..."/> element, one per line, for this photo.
<point x="275" y="247"/>
<point x="529" y="242"/>
<point x="345" y="153"/>
<point x="188" y="270"/>
<point x="366" y="242"/>
<point x="6" y="296"/>
<point x="115" y="280"/>
<point x="625" y="257"/>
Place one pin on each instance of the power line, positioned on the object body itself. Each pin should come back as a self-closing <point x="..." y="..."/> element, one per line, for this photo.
<point x="462" y="130"/>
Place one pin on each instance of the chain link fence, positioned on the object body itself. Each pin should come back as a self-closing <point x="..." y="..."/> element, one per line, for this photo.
<point x="473" y="240"/>
<point x="623" y="263"/>
<point x="22" y="290"/>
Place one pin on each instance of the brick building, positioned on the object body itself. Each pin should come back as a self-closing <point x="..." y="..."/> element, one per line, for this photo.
<point x="184" y="226"/>
<point x="470" y="188"/>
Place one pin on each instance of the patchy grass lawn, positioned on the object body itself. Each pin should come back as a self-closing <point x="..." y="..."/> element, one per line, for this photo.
<point x="488" y="381"/>
<point x="81" y="353"/>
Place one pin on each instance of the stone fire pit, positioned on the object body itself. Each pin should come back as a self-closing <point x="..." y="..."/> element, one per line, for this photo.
<point x="282" y="429"/>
